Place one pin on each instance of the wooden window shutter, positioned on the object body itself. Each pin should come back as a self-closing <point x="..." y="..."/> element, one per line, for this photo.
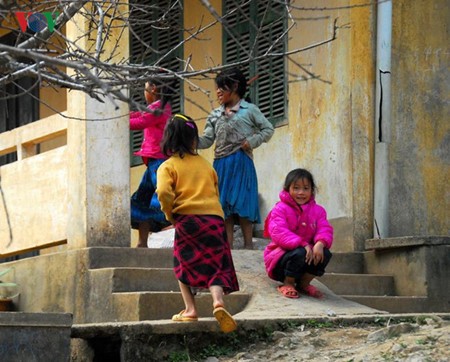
<point x="251" y="30"/>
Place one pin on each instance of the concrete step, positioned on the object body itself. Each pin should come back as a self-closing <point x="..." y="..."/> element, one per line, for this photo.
<point x="108" y="257"/>
<point x="359" y="284"/>
<point x="137" y="279"/>
<point x="163" y="258"/>
<point x="139" y="306"/>
<point x="350" y="263"/>
<point x="393" y="304"/>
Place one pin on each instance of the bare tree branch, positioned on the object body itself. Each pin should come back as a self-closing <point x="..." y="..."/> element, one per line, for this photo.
<point x="49" y="55"/>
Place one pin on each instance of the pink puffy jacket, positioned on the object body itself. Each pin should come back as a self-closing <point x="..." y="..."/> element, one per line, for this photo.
<point x="290" y="226"/>
<point x="153" y="127"/>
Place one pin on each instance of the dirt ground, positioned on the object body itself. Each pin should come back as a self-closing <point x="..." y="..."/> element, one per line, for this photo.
<point x="426" y="339"/>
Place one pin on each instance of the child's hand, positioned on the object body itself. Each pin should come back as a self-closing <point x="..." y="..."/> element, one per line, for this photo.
<point x="246" y="146"/>
<point x="318" y="252"/>
<point x="309" y="255"/>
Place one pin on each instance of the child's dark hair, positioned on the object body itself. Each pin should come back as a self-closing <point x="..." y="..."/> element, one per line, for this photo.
<point x="298" y="174"/>
<point x="165" y="86"/>
<point x="233" y="80"/>
<point x="180" y="135"/>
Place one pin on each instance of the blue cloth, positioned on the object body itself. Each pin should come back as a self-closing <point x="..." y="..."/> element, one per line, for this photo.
<point x="238" y="186"/>
<point x="144" y="202"/>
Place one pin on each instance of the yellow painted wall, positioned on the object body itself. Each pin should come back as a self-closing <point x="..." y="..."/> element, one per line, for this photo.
<point x="34" y="188"/>
<point x="420" y="147"/>
<point x="204" y="52"/>
<point x="53" y="99"/>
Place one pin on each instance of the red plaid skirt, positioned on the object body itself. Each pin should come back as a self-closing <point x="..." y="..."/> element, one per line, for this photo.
<point x="202" y="255"/>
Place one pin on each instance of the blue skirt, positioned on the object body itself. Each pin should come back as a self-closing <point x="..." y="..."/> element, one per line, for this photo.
<point x="238" y="186"/>
<point x="145" y="206"/>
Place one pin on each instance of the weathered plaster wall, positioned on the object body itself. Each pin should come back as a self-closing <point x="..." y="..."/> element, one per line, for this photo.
<point x="51" y="283"/>
<point x="420" y="149"/>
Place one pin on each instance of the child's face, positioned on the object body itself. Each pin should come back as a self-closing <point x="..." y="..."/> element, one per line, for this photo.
<point x="301" y="191"/>
<point x="150" y="93"/>
<point x="223" y="95"/>
<point x="226" y="96"/>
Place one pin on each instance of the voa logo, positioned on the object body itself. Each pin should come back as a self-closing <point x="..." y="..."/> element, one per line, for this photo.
<point x="36" y="21"/>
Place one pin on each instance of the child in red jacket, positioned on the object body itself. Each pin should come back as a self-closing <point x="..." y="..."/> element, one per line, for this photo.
<point x="301" y="237"/>
<point x="146" y="214"/>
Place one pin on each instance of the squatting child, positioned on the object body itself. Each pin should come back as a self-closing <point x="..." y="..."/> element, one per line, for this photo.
<point x="301" y="237"/>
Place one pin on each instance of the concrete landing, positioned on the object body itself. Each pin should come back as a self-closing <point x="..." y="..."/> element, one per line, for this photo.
<point x="267" y="302"/>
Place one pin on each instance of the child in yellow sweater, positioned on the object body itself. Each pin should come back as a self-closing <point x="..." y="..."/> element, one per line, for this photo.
<point x="189" y="197"/>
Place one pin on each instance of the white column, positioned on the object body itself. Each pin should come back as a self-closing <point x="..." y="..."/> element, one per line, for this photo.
<point x="382" y="119"/>
<point x="99" y="167"/>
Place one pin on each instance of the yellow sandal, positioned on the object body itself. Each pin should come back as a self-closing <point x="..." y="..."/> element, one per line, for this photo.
<point x="181" y="318"/>
<point x="226" y="322"/>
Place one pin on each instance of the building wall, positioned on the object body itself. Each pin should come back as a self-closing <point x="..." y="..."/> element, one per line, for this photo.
<point x="420" y="148"/>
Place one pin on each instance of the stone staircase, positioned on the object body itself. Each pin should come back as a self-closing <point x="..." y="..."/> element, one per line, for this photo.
<point x="347" y="278"/>
<point x="131" y="284"/>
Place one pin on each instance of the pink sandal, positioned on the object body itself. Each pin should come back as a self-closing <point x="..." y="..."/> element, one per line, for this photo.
<point x="288" y="291"/>
<point x="312" y="291"/>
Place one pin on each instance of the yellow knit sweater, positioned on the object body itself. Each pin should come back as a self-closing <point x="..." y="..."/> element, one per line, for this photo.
<point x="188" y="186"/>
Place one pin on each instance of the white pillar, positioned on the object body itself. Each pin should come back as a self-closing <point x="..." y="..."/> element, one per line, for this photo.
<point x="99" y="168"/>
<point x="98" y="149"/>
<point x="382" y="119"/>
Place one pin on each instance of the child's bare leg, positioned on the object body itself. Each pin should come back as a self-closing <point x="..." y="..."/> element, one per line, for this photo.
<point x="306" y="280"/>
<point x="144" y="231"/>
<point x="290" y="281"/>
<point x="229" y="228"/>
<point x="189" y="300"/>
<point x="247" y="232"/>
<point x="217" y="295"/>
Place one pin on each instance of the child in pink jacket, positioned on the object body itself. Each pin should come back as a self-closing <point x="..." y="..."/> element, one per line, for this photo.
<point x="146" y="214"/>
<point x="301" y="237"/>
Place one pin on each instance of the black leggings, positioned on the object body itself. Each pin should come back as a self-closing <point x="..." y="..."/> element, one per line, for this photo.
<point x="292" y="264"/>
